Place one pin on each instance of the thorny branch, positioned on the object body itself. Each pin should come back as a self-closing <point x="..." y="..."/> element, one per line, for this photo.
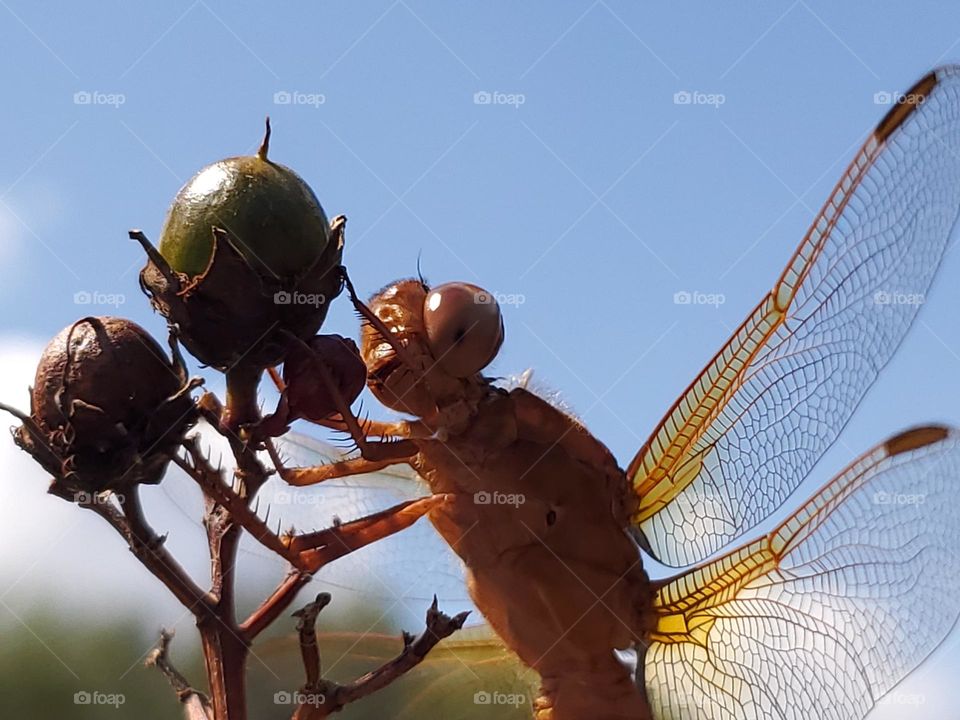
<point x="213" y="485"/>
<point x="148" y="548"/>
<point x="322" y="698"/>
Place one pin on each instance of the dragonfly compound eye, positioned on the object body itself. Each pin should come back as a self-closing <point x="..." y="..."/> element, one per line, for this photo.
<point x="464" y="327"/>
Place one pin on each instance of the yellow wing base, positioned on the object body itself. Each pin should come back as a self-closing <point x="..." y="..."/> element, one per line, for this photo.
<point x="826" y="613"/>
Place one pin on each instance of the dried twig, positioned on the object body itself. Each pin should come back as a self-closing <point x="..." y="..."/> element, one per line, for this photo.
<point x="438" y="626"/>
<point x="306" y="628"/>
<point x="196" y="705"/>
<point x="322" y="698"/>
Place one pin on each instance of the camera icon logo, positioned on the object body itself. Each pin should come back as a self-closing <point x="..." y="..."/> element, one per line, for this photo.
<point x="682" y="97"/>
<point x="682" y="298"/>
<point x="282" y="297"/>
<point x="482" y="97"/>
<point x="282" y="97"/>
<point x="82" y="97"/>
<point x="482" y="697"/>
<point x="482" y="497"/>
<point x="82" y="698"/>
<point x="882" y="97"/>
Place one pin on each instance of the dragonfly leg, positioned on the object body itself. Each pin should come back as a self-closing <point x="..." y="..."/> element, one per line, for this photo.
<point x="316" y="549"/>
<point x="380" y="429"/>
<point x="374" y="450"/>
<point x="377" y="428"/>
<point x="302" y="476"/>
<point x="401" y="429"/>
<point x="277" y="379"/>
<point x="376" y="323"/>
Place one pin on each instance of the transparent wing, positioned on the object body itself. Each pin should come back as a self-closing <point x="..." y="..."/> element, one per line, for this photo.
<point x="827" y="613"/>
<point x="403" y="571"/>
<point x="747" y="431"/>
<point x="471" y="675"/>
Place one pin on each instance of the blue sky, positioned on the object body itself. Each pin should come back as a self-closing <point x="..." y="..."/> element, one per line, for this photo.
<point x="582" y="189"/>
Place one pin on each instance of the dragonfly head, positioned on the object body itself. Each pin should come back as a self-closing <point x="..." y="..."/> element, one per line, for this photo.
<point x="446" y="335"/>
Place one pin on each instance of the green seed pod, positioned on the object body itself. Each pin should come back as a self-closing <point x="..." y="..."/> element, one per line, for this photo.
<point x="269" y="212"/>
<point x="246" y="257"/>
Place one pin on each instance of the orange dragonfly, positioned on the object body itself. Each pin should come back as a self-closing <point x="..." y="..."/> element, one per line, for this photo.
<point x="821" y="616"/>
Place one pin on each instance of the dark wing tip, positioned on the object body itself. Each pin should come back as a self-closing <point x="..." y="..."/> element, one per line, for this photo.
<point x="915" y="438"/>
<point x="905" y="105"/>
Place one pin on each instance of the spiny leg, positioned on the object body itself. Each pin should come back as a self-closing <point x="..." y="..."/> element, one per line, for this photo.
<point x="277" y="380"/>
<point x="370" y="449"/>
<point x="376" y="323"/>
<point x="316" y="549"/>
<point x="377" y="428"/>
<point x="373" y="450"/>
<point x="302" y="476"/>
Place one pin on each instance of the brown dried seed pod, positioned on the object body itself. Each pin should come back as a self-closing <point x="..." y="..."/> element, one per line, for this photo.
<point x="107" y="407"/>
